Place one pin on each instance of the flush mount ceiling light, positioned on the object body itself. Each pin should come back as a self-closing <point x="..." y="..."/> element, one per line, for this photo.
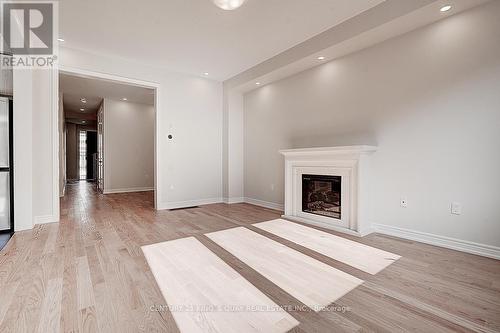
<point x="228" y="4"/>
<point x="445" y="8"/>
<point x="82" y="110"/>
<point x="321" y="58"/>
<point x="124" y="99"/>
<point x="257" y="83"/>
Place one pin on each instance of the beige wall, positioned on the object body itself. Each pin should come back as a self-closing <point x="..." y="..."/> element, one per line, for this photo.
<point x="128" y="146"/>
<point x="429" y="99"/>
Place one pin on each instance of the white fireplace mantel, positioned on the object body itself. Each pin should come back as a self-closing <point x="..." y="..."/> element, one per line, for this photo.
<point x="328" y="150"/>
<point x="352" y="163"/>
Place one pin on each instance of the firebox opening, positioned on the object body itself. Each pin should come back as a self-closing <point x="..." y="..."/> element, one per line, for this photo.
<point x="321" y="195"/>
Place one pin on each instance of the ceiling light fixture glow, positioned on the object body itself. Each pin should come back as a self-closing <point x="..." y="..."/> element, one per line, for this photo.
<point x="321" y="58"/>
<point x="124" y="99"/>
<point x="228" y="4"/>
<point x="206" y="74"/>
<point x="83" y="100"/>
<point x="445" y="8"/>
<point x="61" y="39"/>
<point x="257" y="83"/>
<point x="82" y="110"/>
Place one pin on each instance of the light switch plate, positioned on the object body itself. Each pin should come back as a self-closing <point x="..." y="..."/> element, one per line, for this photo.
<point x="456" y="208"/>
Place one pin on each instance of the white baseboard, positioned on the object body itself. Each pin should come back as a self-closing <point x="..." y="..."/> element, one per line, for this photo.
<point x="188" y="203"/>
<point x="234" y="200"/>
<point x="129" y="190"/>
<point x="266" y="204"/>
<point x="45" y="219"/>
<point x="442" y="241"/>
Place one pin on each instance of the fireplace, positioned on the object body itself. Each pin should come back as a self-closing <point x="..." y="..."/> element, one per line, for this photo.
<point x="321" y="195"/>
<point x="329" y="187"/>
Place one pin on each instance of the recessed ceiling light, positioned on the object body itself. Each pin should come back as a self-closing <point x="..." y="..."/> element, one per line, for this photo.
<point x="61" y="39"/>
<point x="445" y="8"/>
<point x="82" y="109"/>
<point x="206" y="74"/>
<point x="83" y="100"/>
<point x="124" y="99"/>
<point x="228" y="4"/>
<point x="257" y="83"/>
<point x="321" y="58"/>
<point x="83" y="122"/>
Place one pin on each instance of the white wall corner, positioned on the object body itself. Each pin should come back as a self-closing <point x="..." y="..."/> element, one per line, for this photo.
<point x="441" y="241"/>
<point x="233" y="145"/>
<point x="54" y="105"/>
<point x="23" y="157"/>
<point x="235" y="200"/>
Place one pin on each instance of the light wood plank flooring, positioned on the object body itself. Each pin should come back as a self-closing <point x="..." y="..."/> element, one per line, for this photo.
<point x="88" y="274"/>
<point x="360" y="256"/>
<point x="207" y="295"/>
<point x="310" y="281"/>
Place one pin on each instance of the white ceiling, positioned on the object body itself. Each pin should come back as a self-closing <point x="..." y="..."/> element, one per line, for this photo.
<point x="94" y="90"/>
<point x="195" y="36"/>
<point x="390" y="19"/>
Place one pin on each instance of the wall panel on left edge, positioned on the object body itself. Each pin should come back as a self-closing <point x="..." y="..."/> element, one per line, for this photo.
<point x="5" y="78"/>
<point x="6" y="150"/>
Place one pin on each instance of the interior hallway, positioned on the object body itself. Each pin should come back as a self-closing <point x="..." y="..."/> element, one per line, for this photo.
<point x="88" y="273"/>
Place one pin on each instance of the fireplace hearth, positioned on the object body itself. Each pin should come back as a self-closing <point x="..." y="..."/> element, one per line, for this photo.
<point x="321" y="195"/>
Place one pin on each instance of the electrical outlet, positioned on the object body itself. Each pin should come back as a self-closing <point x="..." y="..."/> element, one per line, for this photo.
<point x="404" y="202"/>
<point x="456" y="208"/>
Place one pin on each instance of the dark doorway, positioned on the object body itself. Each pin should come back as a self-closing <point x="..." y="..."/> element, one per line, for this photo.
<point x="91" y="152"/>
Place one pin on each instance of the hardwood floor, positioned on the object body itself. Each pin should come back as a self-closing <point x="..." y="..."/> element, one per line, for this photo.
<point x="355" y="254"/>
<point x="310" y="281"/>
<point x="190" y="275"/>
<point x="88" y="274"/>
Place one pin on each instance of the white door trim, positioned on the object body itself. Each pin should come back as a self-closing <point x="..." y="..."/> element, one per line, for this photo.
<point x="113" y="78"/>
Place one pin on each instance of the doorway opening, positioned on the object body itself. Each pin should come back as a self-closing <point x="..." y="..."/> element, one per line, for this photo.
<point x="108" y="136"/>
<point x="83" y="155"/>
<point x="87" y="163"/>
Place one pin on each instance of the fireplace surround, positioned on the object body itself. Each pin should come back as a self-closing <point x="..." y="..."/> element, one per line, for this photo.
<point x="329" y="187"/>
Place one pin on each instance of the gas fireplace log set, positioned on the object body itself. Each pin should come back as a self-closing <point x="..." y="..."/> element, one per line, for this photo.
<point x="321" y="195"/>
